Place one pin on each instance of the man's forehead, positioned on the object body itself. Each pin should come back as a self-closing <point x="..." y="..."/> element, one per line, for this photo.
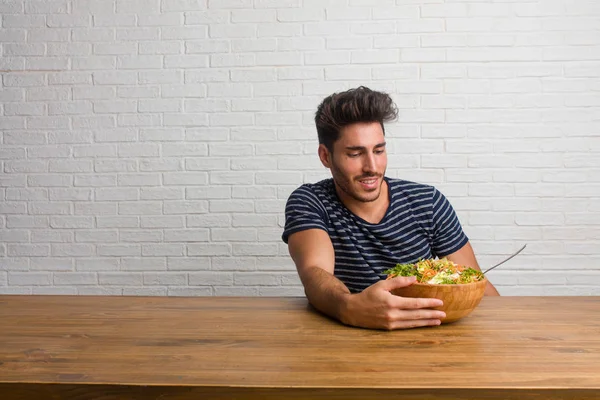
<point x="361" y="135"/>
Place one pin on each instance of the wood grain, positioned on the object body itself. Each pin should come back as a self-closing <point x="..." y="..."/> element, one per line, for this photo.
<point x="85" y="347"/>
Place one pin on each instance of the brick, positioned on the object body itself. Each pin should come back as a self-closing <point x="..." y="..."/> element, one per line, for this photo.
<point x="48" y="180"/>
<point x="185" y="207"/>
<point x="175" y="193"/>
<point x="153" y="77"/>
<point x="207" y="221"/>
<point x="75" y="278"/>
<point x="161" y="165"/>
<point x="187" y="291"/>
<point x="188" y="263"/>
<point x="138" y="150"/>
<point x="255" y="278"/>
<point x="117" y="194"/>
<point x="99" y="291"/>
<point x="233" y="234"/>
<point x="120" y="278"/>
<point x="25" y="166"/>
<point x="185" y="178"/>
<point x="275" y="264"/>
<point x="210" y="278"/>
<point x="70" y="166"/>
<point x="156" y="291"/>
<point x="97" y="264"/>
<point x="119" y="250"/>
<point x="137" y="92"/>
<point x="27" y="250"/>
<point x="140" y="235"/>
<point x="187" y="235"/>
<point x="13" y="236"/>
<point x="23" y="21"/>
<point x="100" y="122"/>
<point x="208" y="192"/>
<point x="162" y="222"/>
<point x="186" y="91"/>
<point x="140" y="208"/>
<point x="161" y="20"/>
<point x="71" y="222"/>
<point x="259" y="192"/>
<point x="12" y="153"/>
<point x="186" y="32"/>
<point x="269" y="235"/>
<point x="185" y="120"/>
<point x="49" y="208"/>
<point x="165" y="278"/>
<point x="21" y="221"/>
<point x="96" y="236"/>
<point x="95" y="150"/>
<point x="154" y="250"/>
<point x="209" y="249"/>
<point x="288" y="291"/>
<point x="29" y="278"/>
<point x="97" y="180"/>
<point x="235" y="291"/>
<point x="17" y="138"/>
<point x="114" y="165"/>
<point x="139" y="179"/>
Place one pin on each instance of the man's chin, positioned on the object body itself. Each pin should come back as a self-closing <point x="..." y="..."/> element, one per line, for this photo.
<point x="368" y="197"/>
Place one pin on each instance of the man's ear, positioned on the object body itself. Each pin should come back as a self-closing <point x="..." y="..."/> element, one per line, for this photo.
<point x="325" y="156"/>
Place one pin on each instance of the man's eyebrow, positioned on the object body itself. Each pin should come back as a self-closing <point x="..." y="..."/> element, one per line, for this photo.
<point x="357" y="148"/>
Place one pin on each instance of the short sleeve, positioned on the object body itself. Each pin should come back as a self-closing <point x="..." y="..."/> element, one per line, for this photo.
<point x="303" y="211"/>
<point x="448" y="235"/>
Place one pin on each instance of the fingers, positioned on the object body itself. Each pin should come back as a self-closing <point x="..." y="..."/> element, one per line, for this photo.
<point x="398" y="282"/>
<point x="417" y="323"/>
<point x="404" y="319"/>
<point x="410" y="303"/>
<point x="413" y="315"/>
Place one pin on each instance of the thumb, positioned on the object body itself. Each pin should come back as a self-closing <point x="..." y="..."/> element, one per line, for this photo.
<point x="399" y="281"/>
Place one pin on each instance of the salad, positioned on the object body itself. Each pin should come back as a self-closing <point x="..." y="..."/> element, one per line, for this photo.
<point x="432" y="271"/>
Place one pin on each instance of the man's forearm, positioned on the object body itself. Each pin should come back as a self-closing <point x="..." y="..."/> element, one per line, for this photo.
<point x="325" y="292"/>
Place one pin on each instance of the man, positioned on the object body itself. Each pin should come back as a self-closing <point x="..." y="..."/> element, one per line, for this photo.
<point x="344" y="232"/>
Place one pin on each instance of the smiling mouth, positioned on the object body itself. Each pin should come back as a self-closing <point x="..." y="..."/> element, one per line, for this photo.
<point x="369" y="183"/>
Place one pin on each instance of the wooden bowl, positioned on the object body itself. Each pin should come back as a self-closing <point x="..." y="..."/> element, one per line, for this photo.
<point x="459" y="299"/>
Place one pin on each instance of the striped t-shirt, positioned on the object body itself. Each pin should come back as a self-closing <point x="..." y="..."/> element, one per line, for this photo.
<point x="419" y="223"/>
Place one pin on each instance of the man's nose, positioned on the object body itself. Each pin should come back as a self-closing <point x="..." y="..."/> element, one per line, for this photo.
<point x="369" y="164"/>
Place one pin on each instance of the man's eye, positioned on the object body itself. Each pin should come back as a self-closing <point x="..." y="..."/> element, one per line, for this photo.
<point x="353" y="155"/>
<point x="379" y="151"/>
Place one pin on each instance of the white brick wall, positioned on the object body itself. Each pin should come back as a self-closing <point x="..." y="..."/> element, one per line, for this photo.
<point x="147" y="147"/>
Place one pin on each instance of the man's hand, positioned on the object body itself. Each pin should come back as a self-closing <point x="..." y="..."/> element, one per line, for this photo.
<point x="375" y="307"/>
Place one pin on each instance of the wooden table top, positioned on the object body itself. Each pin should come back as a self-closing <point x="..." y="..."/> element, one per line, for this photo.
<point x="80" y="346"/>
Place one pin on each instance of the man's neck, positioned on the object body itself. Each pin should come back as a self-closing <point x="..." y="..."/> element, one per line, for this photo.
<point x="371" y="211"/>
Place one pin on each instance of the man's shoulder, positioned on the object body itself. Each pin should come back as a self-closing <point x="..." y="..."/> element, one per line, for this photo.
<point x="319" y="190"/>
<point x="410" y="189"/>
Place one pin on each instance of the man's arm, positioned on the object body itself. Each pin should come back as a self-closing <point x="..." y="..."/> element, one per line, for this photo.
<point x="466" y="256"/>
<point x="374" y="307"/>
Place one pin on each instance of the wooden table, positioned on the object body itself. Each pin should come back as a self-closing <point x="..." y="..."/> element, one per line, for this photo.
<point x="80" y="347"/>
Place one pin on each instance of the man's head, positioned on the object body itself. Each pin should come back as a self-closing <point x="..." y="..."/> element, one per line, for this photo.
<point x="352" y="141"/>
<point x="346" y="108"/>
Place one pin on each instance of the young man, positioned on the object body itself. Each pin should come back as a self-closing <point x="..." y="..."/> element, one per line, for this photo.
<point x="343" y="232"/>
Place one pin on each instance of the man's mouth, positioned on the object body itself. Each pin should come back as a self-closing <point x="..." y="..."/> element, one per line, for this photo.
<point x="369" y="183"/>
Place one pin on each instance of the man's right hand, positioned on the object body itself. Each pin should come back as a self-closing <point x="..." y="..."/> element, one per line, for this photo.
<point x="375" y="307"/>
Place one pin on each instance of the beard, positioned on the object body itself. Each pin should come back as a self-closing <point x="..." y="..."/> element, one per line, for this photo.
<point x="348" y="186"/>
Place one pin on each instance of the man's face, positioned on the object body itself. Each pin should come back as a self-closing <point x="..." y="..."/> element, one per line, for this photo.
<point x="358" y="162"/>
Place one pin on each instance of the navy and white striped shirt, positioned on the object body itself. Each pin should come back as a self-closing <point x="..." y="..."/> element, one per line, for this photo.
<point x="419" y="223"/>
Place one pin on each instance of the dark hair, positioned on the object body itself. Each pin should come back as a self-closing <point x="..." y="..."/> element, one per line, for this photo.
<point x="355" y="105"/>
